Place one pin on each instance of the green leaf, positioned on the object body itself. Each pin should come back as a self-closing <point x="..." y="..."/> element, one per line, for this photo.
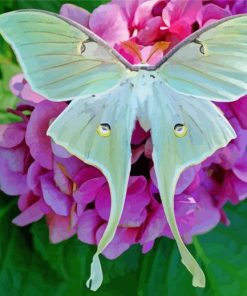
<point x="21" y="268"/>
<point x="222" y="254"/>
<point x="162" y="270"/>
<point x="7" y="99"/>
<point x="71" y="260"/>
<point x="36" y="267"/>
<point x="54" y="5"/>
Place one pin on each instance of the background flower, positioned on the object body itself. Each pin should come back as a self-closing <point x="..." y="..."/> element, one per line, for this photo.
<point x="74" y="198"/>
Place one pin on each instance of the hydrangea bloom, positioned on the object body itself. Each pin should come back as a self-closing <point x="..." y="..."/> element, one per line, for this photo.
<point x="73" y="196"/>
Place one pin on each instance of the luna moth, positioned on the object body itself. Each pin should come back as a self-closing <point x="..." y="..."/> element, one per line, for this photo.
<point x="64" y="61"/>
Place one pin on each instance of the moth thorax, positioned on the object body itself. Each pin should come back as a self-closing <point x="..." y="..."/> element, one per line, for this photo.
<point x="104" y="130"/>
<point x="180" y="130"/>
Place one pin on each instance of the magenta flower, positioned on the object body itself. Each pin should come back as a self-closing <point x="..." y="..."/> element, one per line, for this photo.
<point x="74" y="197"/>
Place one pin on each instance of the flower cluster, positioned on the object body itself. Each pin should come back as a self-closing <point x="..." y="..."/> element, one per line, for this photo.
<point x="73" y="196"/>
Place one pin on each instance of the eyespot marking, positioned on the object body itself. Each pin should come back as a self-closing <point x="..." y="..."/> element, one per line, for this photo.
<point x="180" y="130"/>
<point x="202" y="48"/>
<point x="104" y="130"/>
<point x="83" y="48"/>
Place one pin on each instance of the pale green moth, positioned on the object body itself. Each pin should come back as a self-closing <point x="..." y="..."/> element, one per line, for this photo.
<point x="64" y="61"/>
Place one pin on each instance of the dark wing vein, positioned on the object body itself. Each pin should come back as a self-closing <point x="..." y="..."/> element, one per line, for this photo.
<point x="210" y="76"/>
<point x="59" y="66"/>
<point x="35" y="22"/>
<point x="82" y="85"/>
<point x="49" y="42"/>
<point x="70" y="76"/>
<point x="195" y="84"/>
<point x="50" y="33"/>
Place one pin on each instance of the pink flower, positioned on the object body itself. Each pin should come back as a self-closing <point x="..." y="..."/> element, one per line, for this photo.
<point x="21" y="88"/>
<point x="211" y="13"/>
<point x="76" y="14"/>
<point x="74" y="197"/>
<point x="236" y="6"/>
<point x="225" y="171"/>
<point x="14" y="159"/>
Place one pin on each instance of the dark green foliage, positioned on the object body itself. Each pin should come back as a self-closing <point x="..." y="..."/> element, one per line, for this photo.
<point x="30" y="265"/>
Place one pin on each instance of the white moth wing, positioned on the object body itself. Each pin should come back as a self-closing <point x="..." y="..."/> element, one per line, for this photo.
<point x="185" y="130"/>
<point x="61" y="59"/>
<point x="98" y="131"/>
<point x="212" y="63"/>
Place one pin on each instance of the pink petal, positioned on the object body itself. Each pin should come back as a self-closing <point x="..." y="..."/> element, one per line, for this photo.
<point x="11" y="135"/>
<point x="136" y="153"/>
<point x="229" y="189"/>
<point x="76" y="14"/>
<point x="135" y="212"/>
<point x="87" y="226"/>
<point x="80" y="208"/>
<point x="144" y="13"/>
<point x="193" y="185"/>
<point x="71" y="165"/>
<point x="221" y="3"/>
<point x="155" y="225"/>
<point x="211" y="13"/>
<point x="207" y="216"/>
<point x="62" y="181"/>
<point x="32" y="214"/>
<point x="224" y="219"/>
<point x="185" y="179"/>
<point x="59" y="228"/>
<point x="148" y="148"/>
<point x="181" y="29"/>
<point x="86" y="173"/>
<point x="59" y="151"/>
<point x="240" y="188"/>
<point x="238" y="6"/>
<point x="12" y="183"/>
<point x="129" y="8"/>
<point x="158" y="8"/>
<point x="131" y="56"/>
<point x="17" y="158"/>
<point x="29" y="95"/>
<point x="240" y="168"/>
<point x="240" y="110"/>
<point x="147" y="247"/>
<point x="21" y="88"/>
<point x="88" y="190"/>
<point x="26" y="200"/>
<point x="151" y="58"/>
<point x="136" y="185"/>
<point x="185" y="10"/>
<point x="112" y="29"/>
<point x="57" y="200"/>
<point x="185" y="207"/>
<point x="151" y="32"/>
<point x="16" y="84"/>
<point x="139" y="135"/>
<point x="137" y="198"/>
<point x="35" y="171"/>
<point x="36" y="138"/>
<point x="123" y="239"/>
